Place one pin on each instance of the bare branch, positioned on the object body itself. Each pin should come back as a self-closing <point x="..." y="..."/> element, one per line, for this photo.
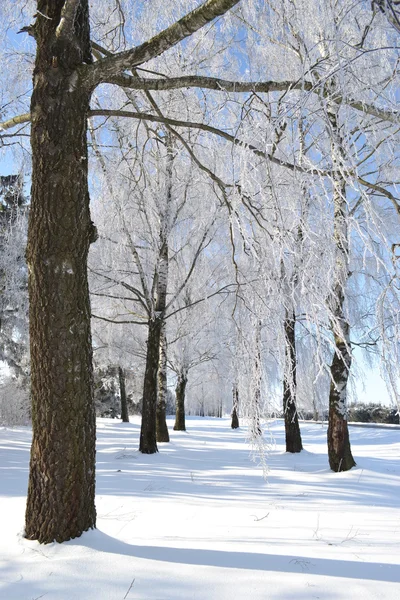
<point x="18" y="120"/>
<point x="224" y="85"/>
<point x="119" y="322"/>
<point x="139" y="296"/>
<point x="209" y="129"/>
<point x="377" y="188"/>
<point x="225" y="289"/>
<point x="202" y="245"/>
<point x="185" y="27"/>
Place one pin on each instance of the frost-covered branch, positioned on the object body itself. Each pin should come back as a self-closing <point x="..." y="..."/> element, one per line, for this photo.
<point x="209" y="129"/>
<point x="185" y="27"/>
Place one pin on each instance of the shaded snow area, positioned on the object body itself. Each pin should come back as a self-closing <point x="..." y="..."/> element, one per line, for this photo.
<point x="199" y="521"/>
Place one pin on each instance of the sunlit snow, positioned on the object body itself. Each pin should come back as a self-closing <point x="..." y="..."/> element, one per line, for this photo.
<point x="199" y="521"/>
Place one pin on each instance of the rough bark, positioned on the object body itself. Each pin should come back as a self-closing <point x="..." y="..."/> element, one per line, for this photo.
<point x="122" y="389"/>
<point x="235" y="408"/>
<point x="180" y="391"/>
<point x="161" y="421"/>
<point x="61" y="489"/>
<point x="292" y="428"/>
<point x="339" y="451"/>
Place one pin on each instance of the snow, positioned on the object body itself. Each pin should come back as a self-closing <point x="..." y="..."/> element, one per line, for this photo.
<point x="199" y="521"/>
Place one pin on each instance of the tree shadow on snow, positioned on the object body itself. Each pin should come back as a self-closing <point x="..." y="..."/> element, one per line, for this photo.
<point x="370" y="571"/>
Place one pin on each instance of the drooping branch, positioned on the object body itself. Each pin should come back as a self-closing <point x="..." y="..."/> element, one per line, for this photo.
<point x="209" y="129"/>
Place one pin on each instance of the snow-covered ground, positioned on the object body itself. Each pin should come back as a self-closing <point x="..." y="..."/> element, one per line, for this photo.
<point x="198" y="521"/>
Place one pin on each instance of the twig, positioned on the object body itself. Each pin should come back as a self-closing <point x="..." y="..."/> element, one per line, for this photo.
<point x="261" y="518"/>
<point x="130" y="587"/>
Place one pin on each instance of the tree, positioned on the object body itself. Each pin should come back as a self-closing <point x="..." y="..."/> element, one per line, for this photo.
<point x="292" y="429"/>
<point x="60" y="504"/>
<point x="162" y="434"/>
<point x="235" y="408"/>
<point x="180" y="391"/>
<point x="154" y="233"/>
<point x="339" y="451"/>
<point x="193" y="341"/>
<point x="124" y="401"/>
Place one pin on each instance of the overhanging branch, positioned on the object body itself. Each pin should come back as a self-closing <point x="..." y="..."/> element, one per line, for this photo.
<point x="224" y="85"/>
<point x="101" y="70"/>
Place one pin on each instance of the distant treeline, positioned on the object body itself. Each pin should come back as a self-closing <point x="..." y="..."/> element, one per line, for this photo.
<point x="362" y="413"/>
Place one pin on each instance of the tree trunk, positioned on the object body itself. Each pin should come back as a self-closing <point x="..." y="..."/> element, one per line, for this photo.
<point x="148" y="443"/>
<point x="235" y="408"/>
<point x="339" y="451"/>
<point x="61" y="491"/>
<point x="292" y="428"/>
<point x="148" y="433"/>
<point x="255" y="409"/>
<point x="180" y="402"/>
<point x="122" y="390"/>
<point x="161" y="421"/>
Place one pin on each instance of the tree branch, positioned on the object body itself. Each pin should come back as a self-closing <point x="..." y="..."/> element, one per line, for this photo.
<point x="224" y="85"/>
<point x="377" y="188"/>
<point x="137" y="293"/>
<point x="209" y="129"/>
<point x="185" y="27"/>
<point x="18" y="120"/>
<point x="202" y="245"/>
<point x="186" y="306"/>
<point x="119" y="322"/>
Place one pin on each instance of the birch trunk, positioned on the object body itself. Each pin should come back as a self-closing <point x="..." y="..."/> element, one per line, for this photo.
<point x="235" y="408"/>
<point x="161" y="421"/>
<point x="339" y="451"/>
